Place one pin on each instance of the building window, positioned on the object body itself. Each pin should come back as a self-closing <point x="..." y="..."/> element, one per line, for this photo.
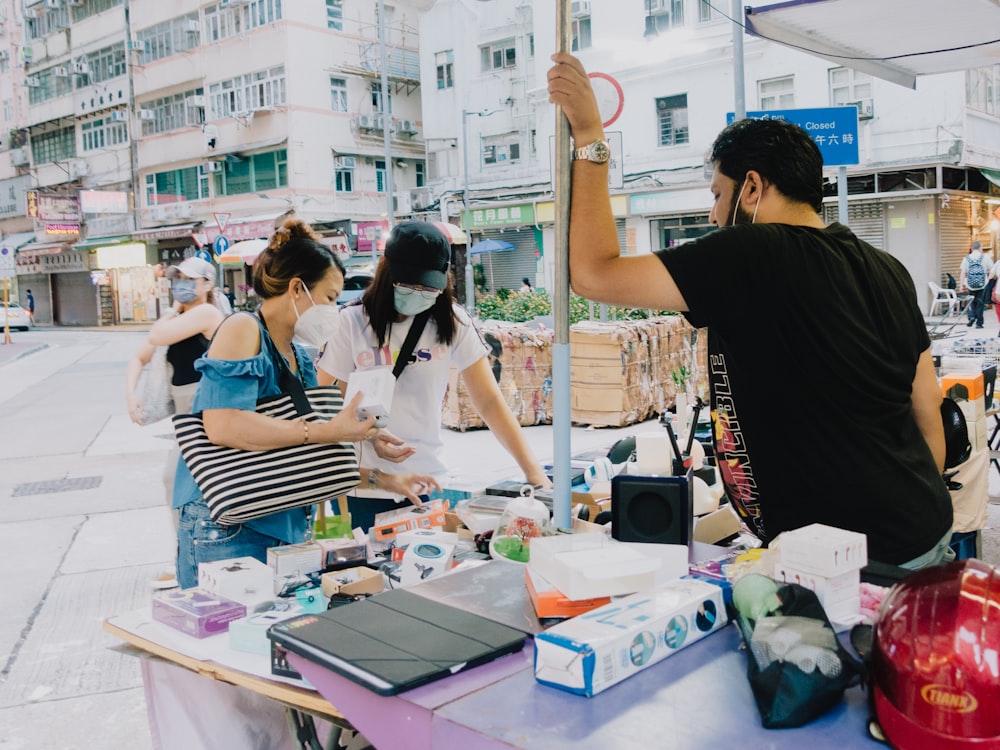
<point x="667" y="14"/>
<point x="444" y="62"/>
<point x="254" y="173"/>
<point x="501" y="149"/>
<point x="418" y="173"/>
<point x="86" y="8"/>
<point x="247" y="93"/>
<point x="48" y="21"/>
<point x="173" y="112"/>
<point x="849" y="86"/>
<point x="106" y="63"/>
<point x="102" y="133"/>
<point x="672" y="120"/>
<point x="338" y="94"/>
<point x="175" y="186"/>
<point x="705" y="11"/>
<point x="982" y="89"/>
<point x="581" y="34"/>
<point x="54" y="145"/>
<point x="377" y="97"/>
<point x="226" y="20"/>
<point x="170" y="37"/>
<point x="335" y="15"/>
<point x="46" y="84"/>
<point x="776" y="93"/>
<point x="379" y="176"/>
<point x="344" y="179"/>
<point x="498" y="55"/>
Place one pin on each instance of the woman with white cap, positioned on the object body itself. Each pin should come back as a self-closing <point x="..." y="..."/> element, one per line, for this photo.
<point x="413" y="278"/>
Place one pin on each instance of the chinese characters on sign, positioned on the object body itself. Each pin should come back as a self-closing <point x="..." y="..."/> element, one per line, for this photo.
<point x="834" y="129"/>
<point x="502" y="216"/>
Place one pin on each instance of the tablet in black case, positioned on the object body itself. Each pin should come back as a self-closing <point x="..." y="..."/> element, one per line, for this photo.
<point x="396" y="641"/>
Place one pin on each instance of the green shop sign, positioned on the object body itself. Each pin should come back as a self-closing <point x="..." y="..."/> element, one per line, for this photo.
<point x="501" y="216"/>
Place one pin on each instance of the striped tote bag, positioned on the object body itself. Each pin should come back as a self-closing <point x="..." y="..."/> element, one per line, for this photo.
<point x="241" y="485"/>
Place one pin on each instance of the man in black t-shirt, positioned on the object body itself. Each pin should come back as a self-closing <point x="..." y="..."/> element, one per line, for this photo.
<point x="824" y="399"/>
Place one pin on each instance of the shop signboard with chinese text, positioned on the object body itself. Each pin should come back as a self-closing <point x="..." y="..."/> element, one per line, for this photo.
<point x="55" y="208"/>
<point x="501" y="216"/>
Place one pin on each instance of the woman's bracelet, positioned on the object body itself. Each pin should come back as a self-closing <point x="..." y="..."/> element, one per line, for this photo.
<point x="305" y="431"/>
<point x="373" y="479"/>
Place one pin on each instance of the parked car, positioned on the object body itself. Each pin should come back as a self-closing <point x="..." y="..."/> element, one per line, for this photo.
<point x="14" y="315"/>
<point x="356" y="281"/>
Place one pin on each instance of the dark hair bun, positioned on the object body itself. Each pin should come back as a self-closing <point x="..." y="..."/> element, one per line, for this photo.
<point x="292" y="229"/>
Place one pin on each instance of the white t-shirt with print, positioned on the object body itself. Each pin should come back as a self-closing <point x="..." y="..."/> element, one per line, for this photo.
<point x="415" y="415"/>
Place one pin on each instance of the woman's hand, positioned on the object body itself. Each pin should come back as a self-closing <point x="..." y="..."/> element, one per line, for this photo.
<point x="345" y="427"/>
<point x="390" y="447"/>
<point x="538" y="479"/>
<point x="408" y="485"/>
<point x="135" y="411"/>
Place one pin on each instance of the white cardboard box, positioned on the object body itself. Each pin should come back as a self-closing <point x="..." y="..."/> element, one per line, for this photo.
<point x="585" y="566"/>
<point x="593" y="651"/>
<point x="829" y="591"/>
<point x="306" y="557"/>
<point x="823" y="550"/>
<point x="243" y="579"/>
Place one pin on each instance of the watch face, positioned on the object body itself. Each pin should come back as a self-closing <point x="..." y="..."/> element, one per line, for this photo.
<point x="599" y="152"/>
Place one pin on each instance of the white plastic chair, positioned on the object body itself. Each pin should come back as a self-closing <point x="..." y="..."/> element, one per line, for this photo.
<point x="945" y="300"/>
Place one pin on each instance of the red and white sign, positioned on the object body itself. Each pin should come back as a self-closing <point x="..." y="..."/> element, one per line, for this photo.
<point x="610" y="97"/>
<point x="221" y="219"/>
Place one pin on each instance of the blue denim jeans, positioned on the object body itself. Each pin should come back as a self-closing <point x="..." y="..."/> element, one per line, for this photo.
<point x="939" y="553"/>
<point x="200" y="539"/>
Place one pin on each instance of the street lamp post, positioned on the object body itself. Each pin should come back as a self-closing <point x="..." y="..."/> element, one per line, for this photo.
<point x="470" y="286"/>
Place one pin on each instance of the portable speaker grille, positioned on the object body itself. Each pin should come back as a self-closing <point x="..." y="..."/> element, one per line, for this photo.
<point x="651" y="509"/>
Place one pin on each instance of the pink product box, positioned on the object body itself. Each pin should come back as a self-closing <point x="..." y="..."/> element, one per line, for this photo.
<point x="823" y="550"/>
<point x="830" y="591"/>
<point x="197" y="612"/>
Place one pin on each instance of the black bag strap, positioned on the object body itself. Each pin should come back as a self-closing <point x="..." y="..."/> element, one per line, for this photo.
<point x="416" y="328"/>
<point x="287" y="381"/>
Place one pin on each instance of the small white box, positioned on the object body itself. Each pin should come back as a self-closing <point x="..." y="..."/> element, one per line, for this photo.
<point x="585" y="566"/>
<point x="425" y="560"/>
<point x="250" y="633"/>
<point x="845" y="611"/>
<point x="293" y="560"/>
<point x="243" y="579"/>
<point x="829" y="591"/>
<point x="377" y="385"/>
<point x="593" y="651"/>
<point x="823" y="550"/>
<point x="437" y="536"/>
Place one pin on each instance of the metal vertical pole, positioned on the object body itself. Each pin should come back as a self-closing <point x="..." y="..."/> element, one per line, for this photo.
<point x="842" y="194"/>
<point x="386" y="125"/>
<point x="134" y="125"/>
<point x="739" y="86"/>
<point x="470" y="286"/>
<point x="561" y="416"/>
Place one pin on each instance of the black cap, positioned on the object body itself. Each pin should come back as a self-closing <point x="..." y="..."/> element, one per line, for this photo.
<point x="418" y="253"/>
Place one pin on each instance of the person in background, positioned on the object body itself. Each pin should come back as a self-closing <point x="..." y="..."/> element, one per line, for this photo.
<point x="229" y="296"/>
<point x="30" y="304"/>
<point x="975" y="271"/>
<point x="411" y="278"/>
<point x="848" y="345"/>
<point x="526" y="287"/>
<point x="297" y="280"/>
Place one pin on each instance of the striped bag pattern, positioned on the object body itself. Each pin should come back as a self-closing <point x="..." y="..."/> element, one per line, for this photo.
<point x="241" y="485"/>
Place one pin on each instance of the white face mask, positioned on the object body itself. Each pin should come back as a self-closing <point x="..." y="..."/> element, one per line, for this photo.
<point x="316" y="325"/>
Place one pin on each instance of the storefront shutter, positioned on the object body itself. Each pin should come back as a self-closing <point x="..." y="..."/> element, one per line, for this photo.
<point x="507" y="268"/>
<point x="865" y="218"/>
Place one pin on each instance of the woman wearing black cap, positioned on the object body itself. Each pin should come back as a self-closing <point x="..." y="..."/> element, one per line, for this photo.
<point x="413" y="278"/>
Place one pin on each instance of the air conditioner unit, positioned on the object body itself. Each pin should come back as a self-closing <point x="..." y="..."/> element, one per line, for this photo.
<point x="19" y="157"/>
<point x="197" y="100"/>
<point x="192" y="26"/>
<point x="212" y="166"/>
<point x="80" y="68"/>
<point x="135" y="45"/>
<point x="147" y="114"/>
<point x="118" y="115"/>
<point x="378" y="123"/>
<point x="579" y="8"/>
<point x="409" y="127"/>
<point x="657" y="5"/>
<point x="346" y="162"/>
<point x="420" y="198"/>
<point x="32" y="82"/>
<point x="401" y="203"/>
<point x="866" y="109"/>
<point x="61" y="71"/>
<point x="79" y="168"/>
<point x="365" y="122"/>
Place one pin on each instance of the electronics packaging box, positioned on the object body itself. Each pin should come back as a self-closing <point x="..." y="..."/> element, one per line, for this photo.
<point x="359" y="580"/>
<point x="823" y="550"/>
<point x="339" y="551"/>
<point x="407" y="518"/>
<point x="549" y="602"/>
<point x="425" y="560"/>
<point x="376" y="385"/>
<point x="250" y="633"/>
<point x="197" y="612"/>
<point x="585" y="566"/>
<point x="829" y="591"/>
<point x="594" y="651"/>
<point x="243" y="579"/>
<point x="290" y="559"/>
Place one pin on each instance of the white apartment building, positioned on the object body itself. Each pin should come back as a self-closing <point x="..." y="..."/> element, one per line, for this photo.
<point x="924" y="188"/>
<point x="153" y="128"/>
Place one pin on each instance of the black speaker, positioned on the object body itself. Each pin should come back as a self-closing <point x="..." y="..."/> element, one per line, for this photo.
<point x="651" y="509"/>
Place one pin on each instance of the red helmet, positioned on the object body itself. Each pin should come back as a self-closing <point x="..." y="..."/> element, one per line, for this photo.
<point x="936" y="659"/>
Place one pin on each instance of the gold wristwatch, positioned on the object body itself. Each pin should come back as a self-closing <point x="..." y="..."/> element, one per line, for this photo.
<point x="597" y="152"/>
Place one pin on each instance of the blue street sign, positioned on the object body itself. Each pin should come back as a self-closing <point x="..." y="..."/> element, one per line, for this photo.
<point x="220" y="245"/>
<point x="835" y="129"/>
